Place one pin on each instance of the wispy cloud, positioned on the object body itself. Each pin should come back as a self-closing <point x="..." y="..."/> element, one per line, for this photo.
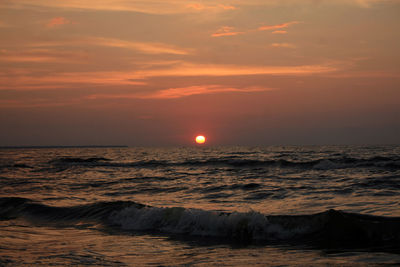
<point x="201" y="7"/>
<point x="366" y="74"/>
<point x="188" y="69"/>
<point x="38" y="102"/>
<point x="143" y="6"/>
<point x="278" y="26"/>
<point x="359" y="3"/>
<point x="276" y="29"/>
<point x="227" y="7"/>
<point x="284" y="45"/>
<point x="42" y="56"/>
<point x="226" y="31"/>
<point x="279" y="32"/>
<point x="143" y="47"/>
<point x="57" y="22"/>
<point x="179" y="92"/>
<point x="200" y="90"/>
<point x="37" y="80"/>
<point x="147" y="48"/>
<point x="369" y="3"/>
<point x="177" y="6"/>
<point x="49" y="80"/>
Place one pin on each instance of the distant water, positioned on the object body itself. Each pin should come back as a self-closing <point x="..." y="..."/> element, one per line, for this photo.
<point x="267" y="206"/>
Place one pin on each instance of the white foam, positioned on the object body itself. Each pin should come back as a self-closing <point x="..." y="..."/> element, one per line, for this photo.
<point x="250" y="225"/>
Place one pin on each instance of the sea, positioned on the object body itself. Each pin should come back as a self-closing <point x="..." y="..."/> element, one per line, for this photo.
<point x="200" y="206"/>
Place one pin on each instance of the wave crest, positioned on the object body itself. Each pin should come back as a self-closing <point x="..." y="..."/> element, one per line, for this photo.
<point x="329" y="228"/>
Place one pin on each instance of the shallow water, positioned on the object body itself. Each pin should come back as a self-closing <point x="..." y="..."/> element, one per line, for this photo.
<point x="200" y="206"/>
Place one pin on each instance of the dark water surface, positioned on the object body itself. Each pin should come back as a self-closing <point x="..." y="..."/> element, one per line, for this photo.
<point x="318" y="205"/>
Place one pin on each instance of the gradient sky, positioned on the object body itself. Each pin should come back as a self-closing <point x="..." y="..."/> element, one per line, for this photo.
<point x="153" y="72"/>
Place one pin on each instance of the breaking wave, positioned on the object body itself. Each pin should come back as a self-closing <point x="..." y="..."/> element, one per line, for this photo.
<point x="330" y="228"/>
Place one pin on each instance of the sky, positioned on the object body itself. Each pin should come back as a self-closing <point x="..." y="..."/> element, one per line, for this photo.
<point x="158" y="73"/>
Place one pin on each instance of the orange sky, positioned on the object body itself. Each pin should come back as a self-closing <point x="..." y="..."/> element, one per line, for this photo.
<point x="152" y="72"/>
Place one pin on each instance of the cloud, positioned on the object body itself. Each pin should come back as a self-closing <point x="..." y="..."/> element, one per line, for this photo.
<point x="57" y="22"/>
<point x="201" y="7"/>
<point x="229" y="31"/>
<point x="294" y="3"/>
<point x="42" y="56"/>
<point x="147" y="48"/>
<point x="366" y="74"/>
<point x="188" y="69"/>
<point x="226" y="31"/>
<point x="173" y="93"/>
<point x="143" y="6"/>
<point x="284" y="45"/>
<point x="143" y="47"/>
<point x="37" y="102"/>
<point x="38" y="80"/>
<point x="227" y="7"/>
<point x="278" y="26"/>
<point x="279" y="32"/>
<point x="178" y="6"/>
<point x="199" y="90"/>
<point x="370" y="3"/>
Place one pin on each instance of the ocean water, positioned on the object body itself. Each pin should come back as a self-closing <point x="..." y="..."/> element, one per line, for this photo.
<point x="200" y="206"/>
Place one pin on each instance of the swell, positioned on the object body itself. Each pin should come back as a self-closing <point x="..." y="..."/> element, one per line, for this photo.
<point x="231" y="161"/>
<point x="15" y="207"/>
<point x="329" y="229"/>
<point x="14" y="166"/>
<point x="77" y="160"/>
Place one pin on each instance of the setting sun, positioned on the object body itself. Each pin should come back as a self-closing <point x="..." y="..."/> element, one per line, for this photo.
<point x="200" y="139"/>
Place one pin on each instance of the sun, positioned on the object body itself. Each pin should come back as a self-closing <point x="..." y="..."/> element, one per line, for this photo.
<point x="200" y="139"/>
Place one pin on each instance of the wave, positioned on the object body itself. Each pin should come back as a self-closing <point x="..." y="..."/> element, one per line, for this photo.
<point x="15" y="207"/>
<point x="76" y="160"/>
<point x="15" y="166"/>
<point x="318" y="164"/>
<point x="329" y="228"/>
